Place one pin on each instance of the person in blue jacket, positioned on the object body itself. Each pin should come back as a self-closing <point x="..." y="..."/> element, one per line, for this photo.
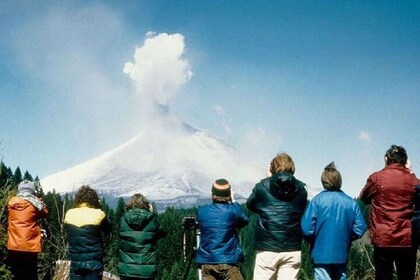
<point x="330" y="223"/>
<point x="219" y="251"/>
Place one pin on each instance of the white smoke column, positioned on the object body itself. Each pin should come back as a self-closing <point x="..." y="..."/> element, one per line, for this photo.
<point x="158" y="70"/>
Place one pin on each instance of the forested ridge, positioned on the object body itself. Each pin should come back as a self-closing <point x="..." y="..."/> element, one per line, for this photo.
<point x="172" y="262"/>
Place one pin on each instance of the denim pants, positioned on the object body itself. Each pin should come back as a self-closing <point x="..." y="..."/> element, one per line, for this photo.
<point x="330" y="271"/>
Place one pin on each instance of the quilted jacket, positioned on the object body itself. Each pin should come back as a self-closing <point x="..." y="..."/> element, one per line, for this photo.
<point x="139" y="233"/>
<point x="279" y="201"/>
<point x="219" y="242"/>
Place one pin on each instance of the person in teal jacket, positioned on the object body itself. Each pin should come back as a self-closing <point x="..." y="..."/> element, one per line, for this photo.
<point x="139" y="233"/>
<point x="330" y="223"/>
<point x="279" y="201"/>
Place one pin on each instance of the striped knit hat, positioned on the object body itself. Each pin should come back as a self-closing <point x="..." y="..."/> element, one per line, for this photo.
<point x="221" y="188"/>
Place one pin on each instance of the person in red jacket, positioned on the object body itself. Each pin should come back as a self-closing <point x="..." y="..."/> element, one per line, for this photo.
<point x="24" y="232"/>
<point x="391" y="191"/>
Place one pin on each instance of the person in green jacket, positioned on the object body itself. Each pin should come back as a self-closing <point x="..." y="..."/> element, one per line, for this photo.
<point x="139" y="232"/>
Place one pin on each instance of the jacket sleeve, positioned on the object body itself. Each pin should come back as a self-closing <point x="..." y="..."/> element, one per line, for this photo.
<point x="367" y="193"/>
<point x="106" y="225"/>
<point x="241" y="218"/>
<point x="159" y="232"/>
<point x="308" y="222"/>
<point x="43" y="213"/>
<point x="359" y="226"/>
<point x="250" y="202"/>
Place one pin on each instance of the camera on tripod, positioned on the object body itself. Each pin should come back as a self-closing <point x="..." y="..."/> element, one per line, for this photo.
<point x="189" y="223"/>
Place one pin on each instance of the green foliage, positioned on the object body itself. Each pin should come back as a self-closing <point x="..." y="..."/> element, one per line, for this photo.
<point x="28" y="176"/>
<point x="17" y="176"/>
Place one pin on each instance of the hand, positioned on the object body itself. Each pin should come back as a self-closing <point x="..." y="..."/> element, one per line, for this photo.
<point x="268" y="171"/>
<point x="150" y="207"/>
<point x="408" y="166"/>
<point x="232" y="195"/>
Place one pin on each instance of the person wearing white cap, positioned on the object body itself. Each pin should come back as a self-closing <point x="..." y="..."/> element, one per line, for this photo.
<point x="24" y="232"/>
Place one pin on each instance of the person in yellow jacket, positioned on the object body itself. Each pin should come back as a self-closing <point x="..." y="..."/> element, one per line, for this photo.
<point x="24" y="232"/>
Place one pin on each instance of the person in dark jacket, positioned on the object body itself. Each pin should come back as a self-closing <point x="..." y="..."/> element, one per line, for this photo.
<point x="84" y="225"/>
<point x="330" y="223"/>
<point x="219" y="251"/>
<point x="25" y="211"/>
<point x="279" y="201"/>
<point x="391" y="192"/>
<point x="139" y="233"/>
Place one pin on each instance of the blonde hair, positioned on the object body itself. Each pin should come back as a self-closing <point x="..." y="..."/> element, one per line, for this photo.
<point x="138" y="201"/>
<point x="282" y="163"/>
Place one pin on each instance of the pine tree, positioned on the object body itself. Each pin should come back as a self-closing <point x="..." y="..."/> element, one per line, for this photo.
<point x="17" y="176"/>
<point x="28" y="176"/>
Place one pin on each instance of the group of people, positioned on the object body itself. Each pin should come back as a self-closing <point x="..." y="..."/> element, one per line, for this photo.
<point x="329" y="223"/>
<point x="86" y="224"/>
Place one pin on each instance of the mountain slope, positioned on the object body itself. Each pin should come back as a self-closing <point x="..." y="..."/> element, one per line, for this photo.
<point x="182" y="162"/>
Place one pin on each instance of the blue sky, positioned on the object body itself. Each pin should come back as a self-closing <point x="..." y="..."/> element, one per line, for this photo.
<point x="321" y="80"/>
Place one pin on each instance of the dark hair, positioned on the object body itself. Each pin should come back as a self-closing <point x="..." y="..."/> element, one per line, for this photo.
<point x="396" y="154"/>
<point x="138" y="201"/>
<point x="87" y="195"/>
<point x="221" y="199"/>
<point x="331" y="178"/>
<point x="282" y="163"/>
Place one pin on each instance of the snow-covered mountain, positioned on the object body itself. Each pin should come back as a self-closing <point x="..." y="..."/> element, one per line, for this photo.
<point x="178" y="166"/>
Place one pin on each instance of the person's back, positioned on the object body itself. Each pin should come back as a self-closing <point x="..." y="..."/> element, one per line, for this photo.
<point x="24" y="231"/>
<point x="139" y="232"/>
<point x="279" y="226"/>
<point x="219" y="251"/>
<point x="390" y="192"/>
<point x="279" y="201"/>
<point x="330" y="223"/>
<point x="219" y="240"/>
<point x="84" y="225"/>
<point x="334" y="214"/>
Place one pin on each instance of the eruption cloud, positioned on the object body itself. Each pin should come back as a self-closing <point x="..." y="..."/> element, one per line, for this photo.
<point x="159" y="70"/>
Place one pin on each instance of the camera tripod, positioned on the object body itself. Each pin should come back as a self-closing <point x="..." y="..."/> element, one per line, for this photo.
<point x="190" y="223"/>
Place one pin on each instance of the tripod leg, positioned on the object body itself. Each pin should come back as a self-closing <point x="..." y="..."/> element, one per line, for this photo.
<point x="187" y="269"/>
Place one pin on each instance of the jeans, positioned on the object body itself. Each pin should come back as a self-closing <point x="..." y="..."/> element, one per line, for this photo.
<point x="220" y="272"/>
<point x="330" y="271"/>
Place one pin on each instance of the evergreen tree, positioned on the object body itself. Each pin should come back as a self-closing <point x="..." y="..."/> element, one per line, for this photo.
<point x="119" y="212"/>
<point x="28" y="176"/>
<point x="17" y="176"/>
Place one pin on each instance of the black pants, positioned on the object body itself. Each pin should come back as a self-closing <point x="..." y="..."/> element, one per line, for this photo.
<point x="87" y="270"/>
<point x="23" y="265"/>
<point x="404" y="259"/>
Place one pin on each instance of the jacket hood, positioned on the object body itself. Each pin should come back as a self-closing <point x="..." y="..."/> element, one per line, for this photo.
<point x="283" y="185"/>
<point x="137" y="218"/>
